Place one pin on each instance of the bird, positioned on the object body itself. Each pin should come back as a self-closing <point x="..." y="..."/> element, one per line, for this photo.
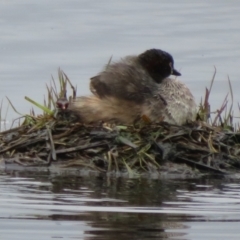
<point x="137" y="86"/>
<point x="134" y="77"/>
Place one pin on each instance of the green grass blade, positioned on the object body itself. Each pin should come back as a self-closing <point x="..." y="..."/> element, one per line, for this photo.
<point x="45" y="109"/>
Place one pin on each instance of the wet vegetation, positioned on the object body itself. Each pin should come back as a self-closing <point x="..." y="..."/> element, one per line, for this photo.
<point x="57" y="138"/>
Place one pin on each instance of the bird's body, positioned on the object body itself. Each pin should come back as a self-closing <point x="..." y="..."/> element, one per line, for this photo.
<point x="134" y="87"/>
<point x="171" y="102"/>
<point x="125" y="80"/>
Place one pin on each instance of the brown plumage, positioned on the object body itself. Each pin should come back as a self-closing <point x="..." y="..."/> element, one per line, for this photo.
<point x="137" y="86"/>
<point x="134" y="77"/>
<point x="92" y="109"/>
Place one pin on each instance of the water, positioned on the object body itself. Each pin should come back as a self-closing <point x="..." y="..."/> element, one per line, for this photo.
<point x="37" y="37"/>
<point x="48" y="206"/>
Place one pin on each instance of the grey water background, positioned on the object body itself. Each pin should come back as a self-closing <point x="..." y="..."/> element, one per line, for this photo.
<point x="37" y="37"/>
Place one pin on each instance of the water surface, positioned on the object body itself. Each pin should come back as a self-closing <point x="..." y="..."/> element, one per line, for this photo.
<point x="37" y="37"/>
<point x="73" y="207"/>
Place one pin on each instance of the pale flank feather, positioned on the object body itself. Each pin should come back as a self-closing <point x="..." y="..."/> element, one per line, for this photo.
<point x="179" y="106"/>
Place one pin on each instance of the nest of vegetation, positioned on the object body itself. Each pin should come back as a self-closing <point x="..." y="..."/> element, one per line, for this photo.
<point x="56" y="137"/>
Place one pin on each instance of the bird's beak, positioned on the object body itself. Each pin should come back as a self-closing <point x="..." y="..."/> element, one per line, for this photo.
<point x="176" y="73"/>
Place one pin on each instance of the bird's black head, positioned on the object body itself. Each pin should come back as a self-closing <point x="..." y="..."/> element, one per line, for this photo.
<point x="158" y="63"/>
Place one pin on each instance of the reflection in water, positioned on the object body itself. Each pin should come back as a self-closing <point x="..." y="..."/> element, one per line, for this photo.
<point x="102" y="208"/>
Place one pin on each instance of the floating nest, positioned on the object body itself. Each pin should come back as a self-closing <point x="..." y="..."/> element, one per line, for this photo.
<point x="107" y="148"/>
<point x="57" y="138"/>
